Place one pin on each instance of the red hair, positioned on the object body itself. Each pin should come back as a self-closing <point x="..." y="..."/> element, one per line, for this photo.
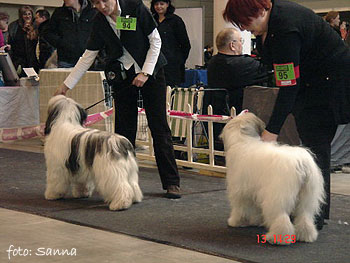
<point x="241" y="12"/>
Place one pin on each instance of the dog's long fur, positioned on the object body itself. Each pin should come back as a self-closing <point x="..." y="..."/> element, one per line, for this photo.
<point x="268" y="182"/>
<point x="78" y="158"/>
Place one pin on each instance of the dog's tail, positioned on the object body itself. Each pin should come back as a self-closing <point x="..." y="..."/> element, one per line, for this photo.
<point x="312" y="192"/>
<point x="121" y="146"/>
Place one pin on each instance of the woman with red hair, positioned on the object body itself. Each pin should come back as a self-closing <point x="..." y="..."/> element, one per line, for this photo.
<point x="311" y="65"/>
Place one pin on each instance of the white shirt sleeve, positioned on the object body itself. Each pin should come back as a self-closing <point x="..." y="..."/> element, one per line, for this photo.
<point x="83" y="64"/>
<point x="153" y="52"/>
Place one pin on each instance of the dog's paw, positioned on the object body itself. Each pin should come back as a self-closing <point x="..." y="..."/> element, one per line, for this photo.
<point x="82" y="190"/>
<point x="137" y="199"/>
<point x="257" y="221"/>
<point x="51" y="196"/>
<point x="138" y="196"/>
<point x="120" y="205"/>
<point x="233" y="222"/>
<point x="81" y="196"/>
<point x="85" y="194"/>
<point x="307" y="234"/>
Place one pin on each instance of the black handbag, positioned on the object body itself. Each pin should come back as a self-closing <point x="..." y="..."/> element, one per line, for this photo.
<point x="115" y="73"/>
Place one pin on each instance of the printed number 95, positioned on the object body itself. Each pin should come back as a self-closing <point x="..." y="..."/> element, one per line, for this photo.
<point x="283" y="75"/>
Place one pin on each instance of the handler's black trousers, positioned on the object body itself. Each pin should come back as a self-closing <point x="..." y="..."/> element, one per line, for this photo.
<point x="154" y="100"/>
<point x="316" y="128"/>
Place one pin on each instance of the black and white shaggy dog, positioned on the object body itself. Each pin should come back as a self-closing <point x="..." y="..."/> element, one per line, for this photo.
<point x="267" y="182"/>
<point x="80" y="159"/>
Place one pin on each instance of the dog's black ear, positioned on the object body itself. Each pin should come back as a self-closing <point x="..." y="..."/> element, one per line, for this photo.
<point x="82" y="113"/>
<point x="52" y="116"/>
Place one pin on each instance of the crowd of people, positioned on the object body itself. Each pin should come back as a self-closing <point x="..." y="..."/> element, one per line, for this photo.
<point x="22" y="39"/>
<point x="149" y="52"/>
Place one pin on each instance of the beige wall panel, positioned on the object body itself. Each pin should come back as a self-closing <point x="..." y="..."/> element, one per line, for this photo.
<point x="53" y="3"/>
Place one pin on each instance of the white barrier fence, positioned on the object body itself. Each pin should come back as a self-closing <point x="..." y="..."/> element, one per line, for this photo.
<point x="190" y="148"/>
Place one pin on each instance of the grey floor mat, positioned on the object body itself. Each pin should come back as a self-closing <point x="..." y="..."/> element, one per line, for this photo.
<point x="197" y="221"/>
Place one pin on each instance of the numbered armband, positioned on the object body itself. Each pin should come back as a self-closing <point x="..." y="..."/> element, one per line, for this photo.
<point x="126" y="23"/>
<point x="286" y="74"/>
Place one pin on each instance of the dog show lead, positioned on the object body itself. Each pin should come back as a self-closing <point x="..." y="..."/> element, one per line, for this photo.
<point x="311" y="64"/>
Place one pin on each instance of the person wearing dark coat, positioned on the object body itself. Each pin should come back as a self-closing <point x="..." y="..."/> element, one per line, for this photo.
<point x="333" y="19"/>
<point x="44" y="49"/>
<point x="311" y="65"/>
<point x="175" y="42"/>
<point x="22" y="40"/>
<point x="69" y="30"/>
<point x="135" y="46"/>
<point x="230" y="70"/>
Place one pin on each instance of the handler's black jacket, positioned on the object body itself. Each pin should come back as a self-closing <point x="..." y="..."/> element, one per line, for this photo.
<point x="69" y="32"/>
<point x="135" y="42"/>
<point x="296" y="34"/>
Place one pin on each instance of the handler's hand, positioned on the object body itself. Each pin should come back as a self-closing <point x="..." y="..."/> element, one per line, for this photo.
<point x="139" y="80"/>
<point x="61" y="90"/>
<point x="5" y="48"/>
<point x="268" y="136"/>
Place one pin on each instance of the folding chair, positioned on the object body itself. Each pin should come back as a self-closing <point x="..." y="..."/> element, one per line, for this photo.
<point x="180" y="98"/>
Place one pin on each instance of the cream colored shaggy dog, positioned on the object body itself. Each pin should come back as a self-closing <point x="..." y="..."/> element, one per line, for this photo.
<point x="267" y="183"/>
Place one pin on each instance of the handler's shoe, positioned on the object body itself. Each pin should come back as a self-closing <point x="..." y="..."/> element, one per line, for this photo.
<point x="173" y="192"/>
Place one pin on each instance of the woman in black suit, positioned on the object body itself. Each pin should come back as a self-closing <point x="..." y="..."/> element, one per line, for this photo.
<point x="128" y="33"/>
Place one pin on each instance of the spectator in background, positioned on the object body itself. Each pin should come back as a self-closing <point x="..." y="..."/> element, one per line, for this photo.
<point x="208" y="53"/>
<point x="43" y="48"/>
<point x="69" y="30"/>
<point x="333" y="19"/>
<point x="344" y="30"/>
<point x="22" y="40"/>
<point x="2" y="43"/>
<point x="230" y="70"/>
<point x="175" y="42"/>
<point x="4" y="20"/>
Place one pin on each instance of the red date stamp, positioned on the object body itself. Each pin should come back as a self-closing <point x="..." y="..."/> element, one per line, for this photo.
<point x="287" y="239"/>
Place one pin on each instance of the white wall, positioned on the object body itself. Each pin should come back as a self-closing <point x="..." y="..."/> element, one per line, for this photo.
<point x="53" y="3"/>
<point x="220" y="24"/>
<point x="193" y="19"/>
